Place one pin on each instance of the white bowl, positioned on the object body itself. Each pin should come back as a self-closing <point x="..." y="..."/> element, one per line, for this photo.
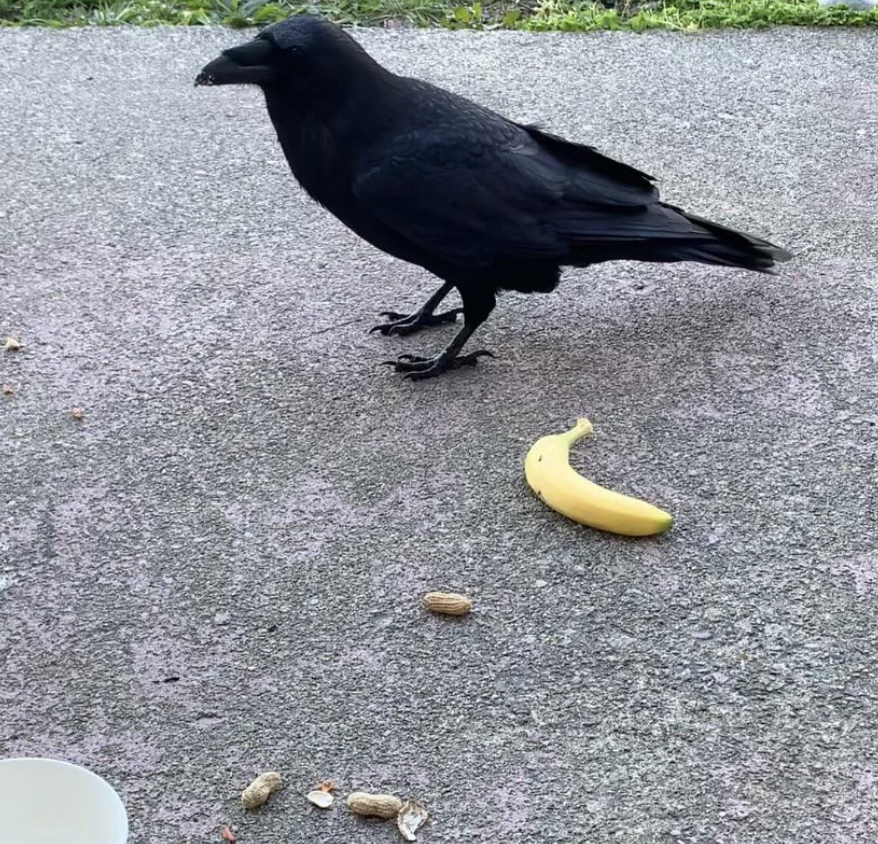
<point x="46" y="801"/>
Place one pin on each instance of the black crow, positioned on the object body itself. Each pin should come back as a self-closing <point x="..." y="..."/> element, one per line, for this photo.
<point x="482" y="202"/>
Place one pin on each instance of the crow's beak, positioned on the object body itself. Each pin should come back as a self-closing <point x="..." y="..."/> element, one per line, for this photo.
<point x="249" y="64"/>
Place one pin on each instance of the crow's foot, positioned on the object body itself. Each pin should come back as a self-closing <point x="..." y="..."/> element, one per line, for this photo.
<point x="418" y="368"/>
<point x="410" y="323"/>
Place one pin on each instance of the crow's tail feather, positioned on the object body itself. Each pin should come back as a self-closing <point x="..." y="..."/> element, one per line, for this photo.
<point x="728" y="247"/>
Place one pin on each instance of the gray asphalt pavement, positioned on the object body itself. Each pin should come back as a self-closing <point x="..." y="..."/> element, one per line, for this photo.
<point x="217" y="571"/>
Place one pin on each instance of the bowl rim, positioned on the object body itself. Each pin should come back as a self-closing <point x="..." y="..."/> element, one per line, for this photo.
<point x="62" y="763"/>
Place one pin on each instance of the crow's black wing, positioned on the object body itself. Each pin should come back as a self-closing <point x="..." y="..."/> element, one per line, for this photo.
<point x="462" y="202"/>
<point x="613" y="181"/>
<point x="476" y="193"/>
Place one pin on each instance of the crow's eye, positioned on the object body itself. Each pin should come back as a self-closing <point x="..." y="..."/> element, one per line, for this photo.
<point x="295" y="52"/>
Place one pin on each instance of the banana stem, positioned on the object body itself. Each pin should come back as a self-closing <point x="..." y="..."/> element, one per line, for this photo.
<point x="583" y="428"/>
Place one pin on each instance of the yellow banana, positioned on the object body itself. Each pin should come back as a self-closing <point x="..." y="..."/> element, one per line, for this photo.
<point x="550" y="475"/>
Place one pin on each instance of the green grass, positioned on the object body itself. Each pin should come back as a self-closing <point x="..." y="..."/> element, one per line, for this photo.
<point x="538" y="15"/>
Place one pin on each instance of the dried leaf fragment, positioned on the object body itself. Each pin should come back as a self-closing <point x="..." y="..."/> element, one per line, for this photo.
<point x="327" y="786"/>
<point x="12" y="345"/>
<point x="78" y="413"/>
<point x="228" y="835"/>
<point x="8" y="390"/>
<point x="320" y="798"/>
<point x="259" y="790"/>
<point x="410" y="819"/>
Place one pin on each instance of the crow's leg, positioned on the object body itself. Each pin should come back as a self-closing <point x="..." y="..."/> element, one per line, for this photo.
<point x="476" y="308"/>
<point x="424" y="317"/>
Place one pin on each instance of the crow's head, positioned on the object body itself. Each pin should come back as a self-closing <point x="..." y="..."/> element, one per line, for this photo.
<point x="303" y="55"/>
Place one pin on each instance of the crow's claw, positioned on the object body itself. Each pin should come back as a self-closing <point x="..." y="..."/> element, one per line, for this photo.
<point x="417" y="368"/>
<point x="403" y="324"/>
